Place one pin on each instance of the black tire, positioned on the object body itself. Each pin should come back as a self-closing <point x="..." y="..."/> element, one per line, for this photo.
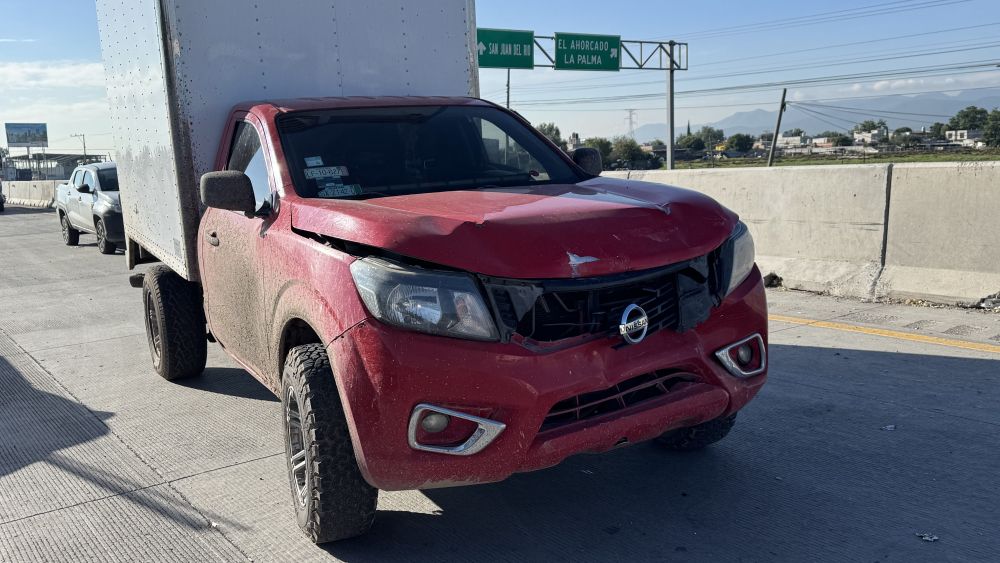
<point x="332" y="500"/>
<point x="70" y="235"/>
<point x="698" y="437"/>
<point x="175" y="324"/>
<point x="103" y="244"/>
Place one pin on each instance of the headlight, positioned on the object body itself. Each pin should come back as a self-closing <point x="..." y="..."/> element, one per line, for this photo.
<point x="743" y="256"/>
<point x="442" y="303"/>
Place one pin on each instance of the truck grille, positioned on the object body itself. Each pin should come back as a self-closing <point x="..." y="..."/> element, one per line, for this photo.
<point x="675" y="297"/>
<point x="626" y="394"/>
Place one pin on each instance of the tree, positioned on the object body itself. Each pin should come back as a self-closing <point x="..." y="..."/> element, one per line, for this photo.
<point x="937" y="130"/>
<point x="991" y="130"/>
<point x="711" y="135"/>
<point x="602" y="145"/>
<point x="739" y="142"/>
<point x="793" y="133"/>
<point x="830" y="134"/>
<point x="842" y="141"/>
<point x="869" y="125"/>
<point x="971" y="117"/>
<point x="658" y="144"/>
<point x="766" y="137"/>
<point x="691" y="142"/>
<point x="902" y="131"/>
<point x="552" y="132"/>
<point x="625" y="148"/>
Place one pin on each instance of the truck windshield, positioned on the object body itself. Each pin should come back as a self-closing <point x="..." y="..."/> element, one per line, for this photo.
<point x="376" y="152"/>
<point x="108" y="177"/>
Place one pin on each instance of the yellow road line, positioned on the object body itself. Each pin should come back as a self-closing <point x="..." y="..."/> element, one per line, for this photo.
<point x="925" y="338"/>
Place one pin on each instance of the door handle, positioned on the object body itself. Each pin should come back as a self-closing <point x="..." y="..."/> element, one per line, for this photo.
<point x="213" y="238"/>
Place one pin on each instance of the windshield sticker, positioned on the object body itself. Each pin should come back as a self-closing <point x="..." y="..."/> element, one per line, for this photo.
<point x="314" y="161"/>
<point x="339" y="190"/>
<point x="325" y="172"/>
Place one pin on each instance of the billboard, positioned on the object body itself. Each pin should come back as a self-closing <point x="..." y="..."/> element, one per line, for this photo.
<point x="27" y="135"/>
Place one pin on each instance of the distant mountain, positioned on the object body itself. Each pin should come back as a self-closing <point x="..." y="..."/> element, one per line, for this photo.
<point x="898" y="111"/>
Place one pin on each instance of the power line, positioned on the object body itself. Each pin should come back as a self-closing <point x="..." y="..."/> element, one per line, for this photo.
<point x="823" y="17"/>
<point x="932" y="70"/>
<point x="880" y="111"/>
<point x="804" y="66"/>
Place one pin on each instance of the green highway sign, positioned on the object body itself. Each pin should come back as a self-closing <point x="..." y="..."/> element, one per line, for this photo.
<point x="578" y="51"/>
<point x="505" y="48"/>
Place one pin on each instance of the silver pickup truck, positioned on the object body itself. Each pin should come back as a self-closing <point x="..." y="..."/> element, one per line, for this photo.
<point x="89" y="203"/>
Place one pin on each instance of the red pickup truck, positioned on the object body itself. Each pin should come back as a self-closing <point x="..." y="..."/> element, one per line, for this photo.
<point x="440" y="296"/>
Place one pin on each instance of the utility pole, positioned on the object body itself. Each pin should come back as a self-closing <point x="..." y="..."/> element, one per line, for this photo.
<point x="670" y="105"/>
<point x="631" y="123"/>
<point x="84" y="138"/>
<point x="508" y="88"/>
<point x="777" y="128"/>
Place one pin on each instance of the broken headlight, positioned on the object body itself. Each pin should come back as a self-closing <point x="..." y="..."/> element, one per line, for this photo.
<point x="743" y="256"/>
<point x="435" y="302"/>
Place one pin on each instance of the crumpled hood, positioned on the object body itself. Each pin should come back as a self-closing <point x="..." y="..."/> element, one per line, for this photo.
<point x="600" y="226"/>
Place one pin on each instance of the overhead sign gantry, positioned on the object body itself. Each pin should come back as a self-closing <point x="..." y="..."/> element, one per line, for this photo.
<point x="518" y="49"/>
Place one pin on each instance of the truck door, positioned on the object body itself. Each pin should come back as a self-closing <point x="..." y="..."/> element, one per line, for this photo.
<point x="229" y="249"/>
<point x="85" y="201"/>
<point x="73" y="199"/>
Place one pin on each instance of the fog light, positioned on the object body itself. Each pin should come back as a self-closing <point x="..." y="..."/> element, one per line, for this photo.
<point x="744" y="354"/>
<point x="434" y="422"/>
<point x="745" y="358"/>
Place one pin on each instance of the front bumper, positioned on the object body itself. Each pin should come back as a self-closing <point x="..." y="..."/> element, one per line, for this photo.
<point x="384" y="373"/>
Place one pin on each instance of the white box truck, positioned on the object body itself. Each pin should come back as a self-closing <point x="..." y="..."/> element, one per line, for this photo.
<point x="437" y="293"/>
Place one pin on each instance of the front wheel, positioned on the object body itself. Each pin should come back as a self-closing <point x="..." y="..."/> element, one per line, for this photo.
<point x="103" y="244"/>
<point x="698" y="437"/>
<point x="70" y="235"/>
<point x="332" y="499"/>
<point x="175" y="324"/>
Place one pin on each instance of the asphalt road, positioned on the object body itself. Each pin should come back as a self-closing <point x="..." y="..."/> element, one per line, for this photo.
<point x="859" y="442"/>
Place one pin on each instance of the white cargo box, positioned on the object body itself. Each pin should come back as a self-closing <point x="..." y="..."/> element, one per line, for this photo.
<point x="174" y="69"/>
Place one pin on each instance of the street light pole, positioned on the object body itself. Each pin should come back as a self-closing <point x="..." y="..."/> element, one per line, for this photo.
<point x="670" y="106"/>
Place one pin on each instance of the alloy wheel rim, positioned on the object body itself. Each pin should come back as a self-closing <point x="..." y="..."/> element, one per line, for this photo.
<point x="101" y="242"/>
<point x="65" y="228"/>
<point x="153" y="329"/>
<point x="296" y="450"/>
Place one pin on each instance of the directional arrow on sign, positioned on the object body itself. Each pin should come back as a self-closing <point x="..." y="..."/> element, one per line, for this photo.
<point x="614" y="54"/>
<point x="481" y="47"/>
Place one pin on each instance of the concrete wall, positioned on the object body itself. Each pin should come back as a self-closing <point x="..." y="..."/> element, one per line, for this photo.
<point x="818" y="227"/>
<point x="38" y="193"/>
<point x="926" y="231"/>
<point x="944" y="232"/>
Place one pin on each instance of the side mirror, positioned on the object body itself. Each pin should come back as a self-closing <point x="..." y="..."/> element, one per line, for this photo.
<point x="83" y="188"/>
<point x="589" y="159"/>
<point x="228" y="189"/>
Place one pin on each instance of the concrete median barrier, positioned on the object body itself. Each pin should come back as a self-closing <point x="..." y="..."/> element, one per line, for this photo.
<point x="820" y="228"/>
<point x="37" y="193"/>
<point x="943" y="242"/>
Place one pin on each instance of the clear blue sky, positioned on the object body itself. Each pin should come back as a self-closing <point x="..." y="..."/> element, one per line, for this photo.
<point x="50" y="58"/>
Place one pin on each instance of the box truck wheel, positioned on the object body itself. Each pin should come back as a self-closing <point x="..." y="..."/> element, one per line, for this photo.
<point x="697" y="437"/>
<point x="175" y="324"/>
<point x="332" y="500"/>
<point x="70" y="235"/>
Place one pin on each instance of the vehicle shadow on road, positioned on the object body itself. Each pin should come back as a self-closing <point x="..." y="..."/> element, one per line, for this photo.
<point x="846" y="455"/>
<point x="234" y="382"/>
<point x="56" y="453"/>
<point x="17" y="210"/>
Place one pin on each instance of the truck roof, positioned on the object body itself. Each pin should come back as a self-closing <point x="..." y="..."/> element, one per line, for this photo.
<point x="343" y="102"/>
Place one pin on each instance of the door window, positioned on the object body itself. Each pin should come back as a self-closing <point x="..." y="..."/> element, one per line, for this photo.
<point x="77" y="177"/>
<point x="88" y="178"/>
<point x="247" y="156"/>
